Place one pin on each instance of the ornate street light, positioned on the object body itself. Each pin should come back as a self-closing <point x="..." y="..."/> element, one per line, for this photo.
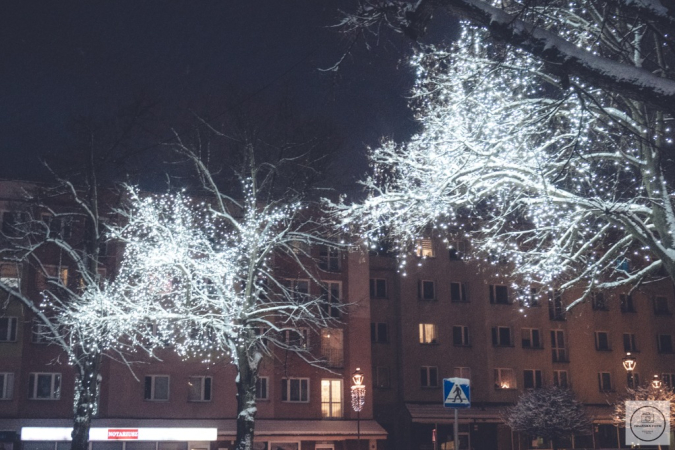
<point x="629" y="363"/>
<point x="358" y="400"/>
<point x="656" y="382"/>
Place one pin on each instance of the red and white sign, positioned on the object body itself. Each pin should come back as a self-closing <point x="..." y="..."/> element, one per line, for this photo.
<point x="119" y="433"/>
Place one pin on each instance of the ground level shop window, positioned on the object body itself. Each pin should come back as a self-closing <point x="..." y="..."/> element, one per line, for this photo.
<point x="275" y="446"/>
<point x="102" y="445"/>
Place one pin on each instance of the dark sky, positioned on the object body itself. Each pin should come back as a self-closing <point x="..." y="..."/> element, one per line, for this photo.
<point x="60" y="58"/>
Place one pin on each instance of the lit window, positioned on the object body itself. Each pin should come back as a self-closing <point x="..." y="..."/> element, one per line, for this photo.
<point x="428" y="333"/>
<point x="10" y="276"/>
<point x="501" y="337"/>
<point x="6" y="386"/>
<point x="429" y="376"/>
<point x="499" y="294"/>
<point x="531" y="338"/>
<point x="378" y="288"/>
<point x="295" y="390"/>
<point x="156" y="387"/>
<point x="329" y="259"/>
<point x="52" y="276"/>
<point x="261" y="392"/>
<point x="424" y="248"/>
<point x="532" y="379"/>
<point x="199" y="389"/>
<point x="505" y="379"/>
<point x="602" y="341"/>
<point x="330" y="296"/>
<point x="331" y="399"/>
<point x="629" y="342"/>
<point x="560" y="378"/>
<point x="604" y="381"/>
<point x="379" y="332"/>
<point x="332" y="347"/>
<point x="460" y="335"/>
<point x="458" y="293"/>
<point x="558" y="346"/>
<point x="427" y="290"/>
<point x="8" y="329"/>
<point x="382" y="379"/>
<point x="44" y="386"/>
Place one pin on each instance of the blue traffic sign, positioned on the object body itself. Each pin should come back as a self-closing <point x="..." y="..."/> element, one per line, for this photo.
<point x="456" y="393"/>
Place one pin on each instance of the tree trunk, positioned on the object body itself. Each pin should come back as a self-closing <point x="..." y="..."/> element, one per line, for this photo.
<point x="86" y="401"/>
<point x="246" y="404"/>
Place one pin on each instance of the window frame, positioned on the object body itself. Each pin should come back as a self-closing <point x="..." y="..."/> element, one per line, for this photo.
<point x="426" y="379"/>
<point x="463" y="292"/>
<point x="602" y="387"/>
<point x="421" y="290"/>
<point x="497" y="336"/>
<point x="602" y="345"/>
<point x="631" y="341"/>
<point x="286" y="389"/>
<point x="660" y="348"/>
<point x="661" y="309"/>
<point x="499" y="379"/>
<point x="557" y="377"/>
<point x="203" y="389"/>
<point x="329" y="259"/>
<point x="557" y="349"/>
<point x="329" y="298"/>
<point x="424" y="248"/>
<point x="331" y="401"/>
<point x="7" y="385"/>
<point x="531" y="333"/>
<point x="375" y="292"/>
<point x="423" y="338"/>
<point x="461" y="372"/>
<point x="627" y="303"/>
<point x="153" y="388"/>
<point x="12" y="329"/>
<point x="537" y="379"/>
<point x="556" y="306"/>
<point x="262" y="380"/>
<point x="376" y="329"/>
<point x="465" y="338"/>
<point x="495" y="298"/>
<point x="334" y="356"/>
<point x="54" y="392"/>
<point x="598" y="301"/>
<point x="300" y="333"/>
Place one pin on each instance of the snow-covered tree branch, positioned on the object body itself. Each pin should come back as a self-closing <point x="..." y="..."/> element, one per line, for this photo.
<point x="567" y="179"/>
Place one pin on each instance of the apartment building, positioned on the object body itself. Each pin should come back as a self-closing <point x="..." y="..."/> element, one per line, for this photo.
<point x="174" y="404"/>
<point x="442" y="316"/>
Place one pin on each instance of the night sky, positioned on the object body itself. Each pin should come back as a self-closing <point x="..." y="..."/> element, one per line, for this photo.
<point x="59" y="59"/>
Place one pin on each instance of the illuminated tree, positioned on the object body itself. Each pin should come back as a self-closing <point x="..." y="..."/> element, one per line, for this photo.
<point x="643" y="394"/>
<point x="566" y="179"/>
<point x="551" y="413"/>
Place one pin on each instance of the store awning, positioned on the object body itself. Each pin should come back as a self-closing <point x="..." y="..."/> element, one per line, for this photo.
<point x="440" y="414"/>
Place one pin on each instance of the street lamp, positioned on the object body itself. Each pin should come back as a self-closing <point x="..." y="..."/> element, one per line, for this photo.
<point x="656" y="382"/>
<point x="358" y="400"/>
<point x="629" y="363"/>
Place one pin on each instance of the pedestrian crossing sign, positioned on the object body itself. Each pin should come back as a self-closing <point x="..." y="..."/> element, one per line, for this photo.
<point x="456" y="393"/>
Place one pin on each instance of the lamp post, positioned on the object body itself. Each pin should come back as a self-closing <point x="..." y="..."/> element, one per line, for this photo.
<point x="358" y="400"/>
<point x="629" y="363"/>
<point x="656" y="382"/>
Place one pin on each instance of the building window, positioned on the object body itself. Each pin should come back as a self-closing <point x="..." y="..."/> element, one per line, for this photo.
<point x="462" y="372"/>
<point x="558" y="346"/>
<point x="13" y="223"/>
<point x="44" y="386"/>
<point x="8" y="329"/>
<point x="458" y="293"/>
<point x="528" y="297"/>
<point x="330" y="295"/>
<point x="59" y="227"/>
<point x="598" y="301"/>
<point x="627" y="304"/>
<point x="429" y="376"/>
<point x="427" y="290"/>
<point x="379" y="332"/>
<point x="156" y="387"/>
<point x="501" y="337"/>
<point x="605" y="381"/>
<point x="661" y="305"/>
<point x="457" y="249"/>
<point x="51" y="276"/>
<point x="382" y="379"/>
<point x="531" y="338"/>
<point x="602" y="341"/>
<point x="298" y="338"/>
<point x="633" y="380"/>
<point x="295" y="390"/>
<point x="299" y="247"/>
<point x="499" y="294"/>
<point x="560" y="378"/>
<point x="505" y="379"/>
<point x="556" y="308"/>
<point x="424" y="248"/>
<point x="532" y="379"/>
<point x="40" y="333"/>
<point x="629" y="343"/>
<point x="378" y="288"/>
<point x="668" y="380"/>
<point x="10" y="276"/>
<point x="299" y="289"/>
<point x="460" y="335"/>
<point x="261" y="392"/>
<point x="6" y="386"/>
<point x="428" y="333"/>
<point x="665" y="343"/>
<point x="331" y="399"/>
<point x="332" y="348"/>
<point x="199" y="389"/>
<point x="329" y="259"/>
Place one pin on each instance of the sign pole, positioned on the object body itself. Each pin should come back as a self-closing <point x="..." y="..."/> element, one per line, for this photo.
<point x="456" y="430"/>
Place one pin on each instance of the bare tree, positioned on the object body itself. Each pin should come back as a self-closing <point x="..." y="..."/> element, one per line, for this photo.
<point x="224" y="263"/>
<point x="647" y="393"/>
<point x="551" y="413"/>
<point x="568" y="180"/>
